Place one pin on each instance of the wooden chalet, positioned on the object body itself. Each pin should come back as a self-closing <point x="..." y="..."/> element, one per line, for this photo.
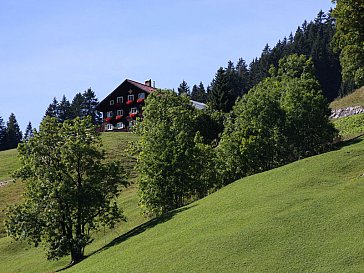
<point x="123" y="105"/>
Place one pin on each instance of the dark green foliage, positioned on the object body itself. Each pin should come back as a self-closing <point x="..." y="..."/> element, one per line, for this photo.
<point x="198" y="93"/>
<point x="82" y="105"/>
<point x="52" y="110"/>
<point x="13" y="134"/>
<point x="89" y="106"/>
<point x="349" y="41"/>
<point x="28" y="132"/>
<point x="183" y="89"/>
<point x="2" y="134"/>
<point x="174" y="165"/>
<point x="64" y="111"/>
<point x="312" y="40"/>
<point x="282" y="119"/>
<point x="70" y="189"/>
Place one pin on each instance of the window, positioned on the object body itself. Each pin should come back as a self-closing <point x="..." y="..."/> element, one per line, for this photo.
<point x="120" y="125"/>
<point x="141" y="96"/>
<point x="109" y="114"/>
<point x="109" y="127"/>
<point x="130" y="97"/>
<point x="119" y="99"/>
<point x="119" y="112"/>
<point x="133" y="110"/>
<point x="112" y="102"/>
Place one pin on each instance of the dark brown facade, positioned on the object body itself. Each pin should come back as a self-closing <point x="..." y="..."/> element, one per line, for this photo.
<point x="123" y="105"/>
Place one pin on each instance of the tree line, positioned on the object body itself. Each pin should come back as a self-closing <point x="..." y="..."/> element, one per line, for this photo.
<point x="82" y="105"/>
<point x="313" y="39"/>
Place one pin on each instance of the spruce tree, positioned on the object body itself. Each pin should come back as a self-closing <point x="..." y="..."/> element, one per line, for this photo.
<point x="183" y="89"/>
<point x="198" y="93"/>
<point x="13" y="133"/>
<point x="28" y="132"/>
<point x="219" y="97"/>
<point x="64" y="110"/>
<point x="2" y="134"/>
<point x="52" y="110"/>
<point x="89" y="104"/>
<point x="77" y="106"/>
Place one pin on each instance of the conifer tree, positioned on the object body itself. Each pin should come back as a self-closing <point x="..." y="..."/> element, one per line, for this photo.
<point x="90" y="102"/>
<point x="183" y="89"/>
<point x="77" y="106"/>
<point x="52" y="110"/>
<point x="2" y="134"/>
<point x="28" y="132"/>
<point x="198" y="93"/>
<point x="13" y="133"/>
<point x="64" y="110"/>
<point x="219" y="97"/>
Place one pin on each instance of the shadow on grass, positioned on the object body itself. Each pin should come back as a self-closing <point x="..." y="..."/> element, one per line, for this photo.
<point x="348" y="142"/>
<point x="135" y="231"/>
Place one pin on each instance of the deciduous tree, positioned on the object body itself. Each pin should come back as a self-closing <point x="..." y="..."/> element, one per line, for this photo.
<point x="70" y="189"/>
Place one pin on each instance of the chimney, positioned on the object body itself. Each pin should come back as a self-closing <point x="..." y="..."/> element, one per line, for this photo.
<point x="148" y="83"/>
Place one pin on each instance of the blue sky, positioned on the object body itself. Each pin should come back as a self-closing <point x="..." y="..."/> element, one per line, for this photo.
<point x="51" y="48"/>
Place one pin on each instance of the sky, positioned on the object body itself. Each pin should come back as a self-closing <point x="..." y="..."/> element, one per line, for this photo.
<point x="53" y="48"/>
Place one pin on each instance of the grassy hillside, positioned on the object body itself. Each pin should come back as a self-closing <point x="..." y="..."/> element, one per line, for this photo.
<point x="304" y="217"/>
<point x="19" y="257"/>
<point x="354" y="99"/>
<point x="350" y="127"/>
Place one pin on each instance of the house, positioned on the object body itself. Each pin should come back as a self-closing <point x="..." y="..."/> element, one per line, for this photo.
<point x="123" y="105"/>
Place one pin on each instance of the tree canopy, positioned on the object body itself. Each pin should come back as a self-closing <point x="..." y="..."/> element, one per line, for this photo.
<point x="70" y="189"/>
<point x="349" y="40"/>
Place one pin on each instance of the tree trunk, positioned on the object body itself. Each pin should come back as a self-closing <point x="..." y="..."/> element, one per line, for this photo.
<point x="76" y="255"/>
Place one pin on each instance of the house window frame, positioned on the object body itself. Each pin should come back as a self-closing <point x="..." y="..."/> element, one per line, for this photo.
<point x="132" y="123"/>
<point x="141" y="95"/>
<point x="131" y="97"/>
<point x="112" y="102"/>
<point x="133" y="110"/>
<point x="120" y="125"/>
<point x="119" y="99"/>
<point x="109" y="114"/>
<point x="120" y="112"/>
<point x="109" y="127"/>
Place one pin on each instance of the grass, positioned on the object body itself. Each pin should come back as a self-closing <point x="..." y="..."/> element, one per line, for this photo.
<point x="303" y="217"/>
<point x="355" y="98"/>
<point x="350" y="127"/>
<point x="8" y="163"/>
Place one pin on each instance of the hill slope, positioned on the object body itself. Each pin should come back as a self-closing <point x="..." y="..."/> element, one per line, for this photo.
<point x="302" y="217"/>
<point x="355" y="98"/>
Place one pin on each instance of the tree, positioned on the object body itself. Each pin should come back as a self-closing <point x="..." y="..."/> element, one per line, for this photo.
<point x="2" y="134"/>
<point x="219" y="95"/>
<point x="349" y="39"/>
<point x="198" y="93"/>
<point x="64" y="110"/>
<point x="89" y="106"/>
<point x="174" y="165"/>
<point x="13" y="133"/>
<point x="183" y="89"/>
<point x="283" y="118"/>
<point x="77" y="105"/>
<point x="52" y="110"/>
<point x="28" y="132"/>
<point x="70" y="189"/>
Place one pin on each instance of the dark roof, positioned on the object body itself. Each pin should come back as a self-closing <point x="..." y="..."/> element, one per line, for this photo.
<point x="142" y="86"/>
<point x="139" y="85"/>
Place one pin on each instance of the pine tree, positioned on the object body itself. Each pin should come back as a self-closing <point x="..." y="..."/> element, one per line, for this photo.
<point x="183" y="89"/>
<point x="2" y="134"/>
<point x="76" y="106"/>
<point x="198" y="93"/>
<point x="89" y="104"/>
<point x="52" y="110"/>
<point x="28" y="132"/>
<point x="64" y="110"/>
<point x="13" y="133"/>
<point x="219" y="97"/>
